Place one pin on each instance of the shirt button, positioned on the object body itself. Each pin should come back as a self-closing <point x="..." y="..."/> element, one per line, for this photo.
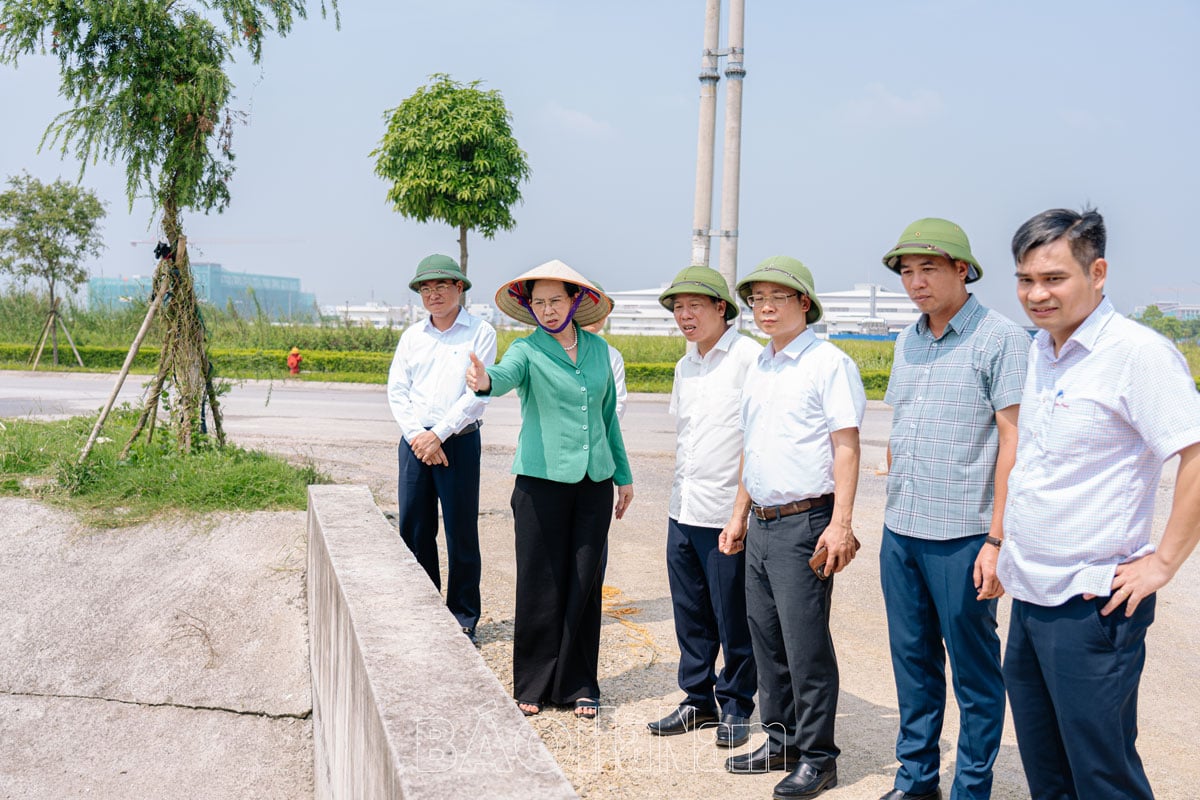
<point x="912" y="425"/>
<point x="583" y="388"/>
<point x="583" y="408"/>
<point x="585" y="427"/>
<point x="585" y="447"/>
<point x="576" y="372"/>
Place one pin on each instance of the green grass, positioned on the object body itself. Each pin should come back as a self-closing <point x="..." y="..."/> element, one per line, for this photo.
<point x="39" y="460"/>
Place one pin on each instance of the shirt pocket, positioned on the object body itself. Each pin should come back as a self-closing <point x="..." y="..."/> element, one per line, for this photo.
<point x="1070" y="427"/>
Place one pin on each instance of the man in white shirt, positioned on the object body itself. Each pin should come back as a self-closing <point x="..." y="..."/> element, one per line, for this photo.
<point x="1106" y="402"/>
<point x="802" y="406"/>
<point x="439" y="420"/>
<point x="708" y="588"/>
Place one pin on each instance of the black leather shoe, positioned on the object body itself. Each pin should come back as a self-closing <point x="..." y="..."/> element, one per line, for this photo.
<point x="900" y="794"/>
<point x="733" y="731"/>
<point x="762" y="760"/>
<point x="470" y="634"/>
<point x="681" y="720"/>
<point x="805" y="781"/>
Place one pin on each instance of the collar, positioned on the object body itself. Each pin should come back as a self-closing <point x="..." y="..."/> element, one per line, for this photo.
<point x="549" y="345"/>
<point x="961" y="320"/>
<point x="461" y="319"/>
<point x="1085" y="335"/>
<point x="723" y="344"/>
<point x="794" y="349"/>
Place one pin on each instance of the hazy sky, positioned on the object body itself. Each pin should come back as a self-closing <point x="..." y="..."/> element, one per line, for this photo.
<point x="858" y="118"/>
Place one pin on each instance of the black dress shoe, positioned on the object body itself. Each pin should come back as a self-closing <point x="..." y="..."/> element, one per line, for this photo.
<point x="733" y="731"/>
<point x="681" y="720"/>
<point x="470" y="634"/>
<point x="762" y="760"/>
<point x="900" y="794"/>
<point x="805" y="781"/>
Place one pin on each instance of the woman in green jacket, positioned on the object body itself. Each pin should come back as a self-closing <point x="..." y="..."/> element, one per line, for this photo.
<point x="569" y="455"/>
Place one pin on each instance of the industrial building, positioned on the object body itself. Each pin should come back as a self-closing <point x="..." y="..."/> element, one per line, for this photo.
<point x="278" y="297"/>
<point x="867" y="310"/>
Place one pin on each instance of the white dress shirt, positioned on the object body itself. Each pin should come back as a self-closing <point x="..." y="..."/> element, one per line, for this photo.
<point x="706" y="400"/>
<point x="427" y="382"/>
<point x="1097" y="421"/>
<point x="617" y="362"/>
<point x="791" y="403"/>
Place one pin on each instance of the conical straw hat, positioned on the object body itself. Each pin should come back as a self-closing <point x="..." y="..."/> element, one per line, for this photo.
<point x="595" y="305"/>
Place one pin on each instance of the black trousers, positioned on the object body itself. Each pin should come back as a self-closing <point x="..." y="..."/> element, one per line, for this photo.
<point x="457" y="487"/>
<point x="788" y="608"/>
<point x="561" y="536"/>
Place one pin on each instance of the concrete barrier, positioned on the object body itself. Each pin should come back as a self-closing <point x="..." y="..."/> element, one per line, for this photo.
<point x="403" y="705"/>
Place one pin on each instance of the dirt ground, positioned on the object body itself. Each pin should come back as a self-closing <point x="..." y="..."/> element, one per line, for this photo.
<point x="170" y="660"/>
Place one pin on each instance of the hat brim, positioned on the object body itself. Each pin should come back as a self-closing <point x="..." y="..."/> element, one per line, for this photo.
<point x="783" y="278"/>
<point x="594" y="307"/>
<point x="438" y="275"/>
<point x="892" y="259"/>
<point x="699" y="288"/>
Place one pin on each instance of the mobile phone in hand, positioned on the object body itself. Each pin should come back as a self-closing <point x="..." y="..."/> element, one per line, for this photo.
<point x="817" y="562"/>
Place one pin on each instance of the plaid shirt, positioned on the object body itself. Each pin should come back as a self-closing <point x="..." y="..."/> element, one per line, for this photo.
<point x="946" y="392"/>
<point x="1097" y="422"/>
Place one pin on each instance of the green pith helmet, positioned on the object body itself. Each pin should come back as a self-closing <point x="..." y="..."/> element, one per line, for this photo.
<point x="438" y="267"/>
<point x="699" y="280"/>
<point x="939" y="236"/>
<point x="785" y="271"/>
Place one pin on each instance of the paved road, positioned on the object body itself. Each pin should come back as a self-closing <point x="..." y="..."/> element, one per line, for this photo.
<point x="347" y="431"/>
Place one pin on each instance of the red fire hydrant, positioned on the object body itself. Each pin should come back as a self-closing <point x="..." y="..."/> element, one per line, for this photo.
<point x="293" y="361"/>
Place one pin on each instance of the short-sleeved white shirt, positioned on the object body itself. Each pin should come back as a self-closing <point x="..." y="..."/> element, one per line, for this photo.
<point x="791" y="403"/>
<point x="706" y="401"/>
<point x="1097" y="421"/>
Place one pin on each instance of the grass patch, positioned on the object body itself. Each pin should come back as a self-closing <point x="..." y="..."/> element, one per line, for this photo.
<point x="38" y="460"/>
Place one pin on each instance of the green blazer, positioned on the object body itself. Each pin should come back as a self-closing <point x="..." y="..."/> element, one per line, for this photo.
<point x="569" y="425"/>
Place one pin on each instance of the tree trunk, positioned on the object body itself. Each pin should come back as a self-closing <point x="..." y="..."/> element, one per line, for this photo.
<point x="53" y="324"/>
<point x="462" y="259"/>
<point x="184" y="358"/>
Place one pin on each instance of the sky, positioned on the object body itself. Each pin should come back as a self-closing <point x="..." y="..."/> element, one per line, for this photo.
<point x="858" y="118"/>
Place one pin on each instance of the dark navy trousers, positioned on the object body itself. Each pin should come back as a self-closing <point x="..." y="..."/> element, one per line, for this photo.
<point x="1072" y="678"/>
<point x="456" y="487"/>
<point x="930" y="597"/>
<point x="708" y="596"/>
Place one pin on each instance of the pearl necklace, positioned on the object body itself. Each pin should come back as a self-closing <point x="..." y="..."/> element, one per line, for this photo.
<point x="575" y="343"/>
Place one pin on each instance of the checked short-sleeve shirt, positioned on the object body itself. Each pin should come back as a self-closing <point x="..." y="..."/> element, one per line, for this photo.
<point x="945" y="393"/>
<point x="1097" y="421"/>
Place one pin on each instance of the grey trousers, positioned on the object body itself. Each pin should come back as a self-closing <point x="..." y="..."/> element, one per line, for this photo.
<point x="788" y="608"/>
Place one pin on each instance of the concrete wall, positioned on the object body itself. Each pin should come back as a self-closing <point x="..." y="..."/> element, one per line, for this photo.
<point x="403" y="705"/>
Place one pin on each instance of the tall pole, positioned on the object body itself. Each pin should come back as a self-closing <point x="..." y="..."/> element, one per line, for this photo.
<point x="731" y="167"/>
<point x="702" y="215"/>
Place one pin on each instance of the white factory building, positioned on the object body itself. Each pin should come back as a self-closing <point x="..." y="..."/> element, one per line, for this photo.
<point x="867" y="309"/>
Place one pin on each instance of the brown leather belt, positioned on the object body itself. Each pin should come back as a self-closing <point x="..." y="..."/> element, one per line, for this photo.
<point x="768" y="513"/>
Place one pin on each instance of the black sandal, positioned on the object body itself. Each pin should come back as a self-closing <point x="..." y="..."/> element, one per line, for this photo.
<point x="537" y="708"/>
<point x="587" y="708"/>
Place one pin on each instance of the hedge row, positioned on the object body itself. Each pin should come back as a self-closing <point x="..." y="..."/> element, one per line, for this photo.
<point x="372" y="367"/>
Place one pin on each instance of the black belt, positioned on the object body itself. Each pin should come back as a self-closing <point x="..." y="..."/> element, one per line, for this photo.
<point x="768" y="513"/>
<point x="474" y="426"/>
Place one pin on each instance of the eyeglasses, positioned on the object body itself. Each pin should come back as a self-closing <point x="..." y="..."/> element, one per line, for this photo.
<point x="552" y="304"/>
<point x="778" y="300"/>
<point x="441" y="287"/>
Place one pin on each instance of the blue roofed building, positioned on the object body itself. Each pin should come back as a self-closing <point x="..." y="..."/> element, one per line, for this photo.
<point x="278" y="297"/>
